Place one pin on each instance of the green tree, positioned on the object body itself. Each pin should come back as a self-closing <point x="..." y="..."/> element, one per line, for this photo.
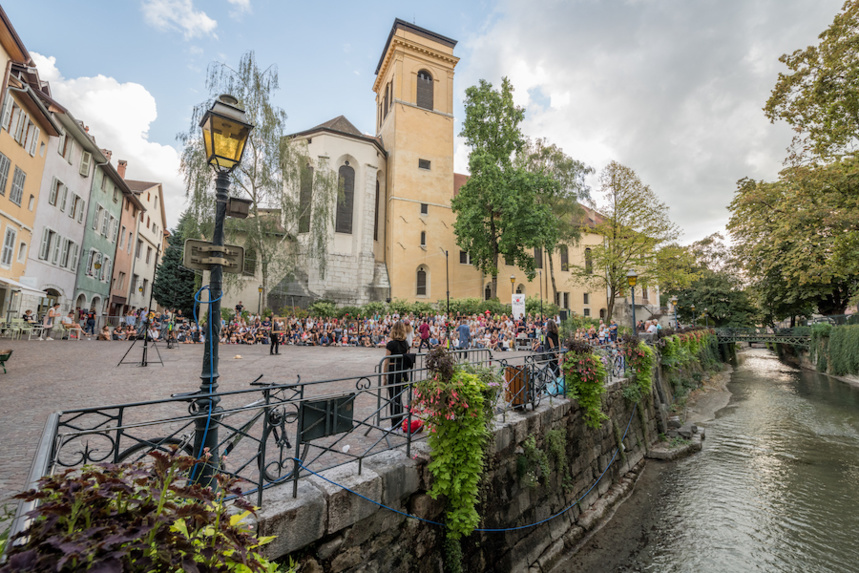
<point x="174" y="285"/>
<point x="819" y="98"/>
<point x="634" y="226"/>
<point x="271" y="174"/>
<point x="497" y="211"/>
<point x="797" y="237"/>
<point x="539" y="156"/>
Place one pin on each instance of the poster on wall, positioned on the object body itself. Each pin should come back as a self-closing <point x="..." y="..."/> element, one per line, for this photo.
<point x="518" y="306"/>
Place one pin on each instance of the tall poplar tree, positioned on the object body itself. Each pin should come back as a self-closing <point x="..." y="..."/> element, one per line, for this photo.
<point x="497" y="210"/>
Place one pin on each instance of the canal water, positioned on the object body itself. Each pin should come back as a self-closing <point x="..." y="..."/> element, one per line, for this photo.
<point x="776" y="487"/>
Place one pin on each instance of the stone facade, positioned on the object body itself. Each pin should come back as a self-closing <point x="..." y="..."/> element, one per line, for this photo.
<point x="329" y="529"/>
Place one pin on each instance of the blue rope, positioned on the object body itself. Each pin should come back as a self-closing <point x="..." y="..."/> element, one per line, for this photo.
<point x="487" y="530"/>
<point x="211" y="366"/>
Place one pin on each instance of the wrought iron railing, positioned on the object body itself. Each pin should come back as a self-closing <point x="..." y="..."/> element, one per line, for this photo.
<point x="263" y="430"/>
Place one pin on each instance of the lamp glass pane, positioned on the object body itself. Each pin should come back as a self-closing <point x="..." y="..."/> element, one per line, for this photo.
<point x="229" y="140"/>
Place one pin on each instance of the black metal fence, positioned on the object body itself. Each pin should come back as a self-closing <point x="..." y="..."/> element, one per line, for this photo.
<point x="263" y="430"/>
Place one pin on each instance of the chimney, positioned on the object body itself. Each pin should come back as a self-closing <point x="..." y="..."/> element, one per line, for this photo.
<point x="107" y="153"/>
<point x="120" y="167"/>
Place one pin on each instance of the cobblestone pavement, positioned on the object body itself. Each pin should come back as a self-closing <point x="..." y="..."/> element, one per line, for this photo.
<point x="47" y="376"/>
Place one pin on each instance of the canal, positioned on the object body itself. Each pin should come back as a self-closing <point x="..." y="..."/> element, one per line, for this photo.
<point x="776" y="487"/>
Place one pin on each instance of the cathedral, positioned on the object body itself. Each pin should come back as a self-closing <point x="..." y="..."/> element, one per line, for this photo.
<point x="392" y="235"/>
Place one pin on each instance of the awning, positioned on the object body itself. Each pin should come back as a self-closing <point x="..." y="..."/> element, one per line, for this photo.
<point x="15" y="285"/>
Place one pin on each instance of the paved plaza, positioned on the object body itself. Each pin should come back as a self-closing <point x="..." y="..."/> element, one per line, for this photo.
<point x="48" y="376"/>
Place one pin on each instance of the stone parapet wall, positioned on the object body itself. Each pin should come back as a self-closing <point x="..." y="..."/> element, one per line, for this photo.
<point x="329" y="529"/>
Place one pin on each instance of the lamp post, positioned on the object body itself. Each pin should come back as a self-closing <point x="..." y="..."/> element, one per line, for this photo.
<point x="541" y="295"/>
<point x="706" y="318"/>
<point x="693" y="314"/>
<point x="225" y="133"/>
<point x="674" y="306"/>
<point x="632" y="280"/>
<point x="259" y="306"/>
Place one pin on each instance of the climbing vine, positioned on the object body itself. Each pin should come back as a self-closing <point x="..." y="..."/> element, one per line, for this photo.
<point x="585" y="376"/>
<point x="640" y="358"/>
<point x="451" y="402"/>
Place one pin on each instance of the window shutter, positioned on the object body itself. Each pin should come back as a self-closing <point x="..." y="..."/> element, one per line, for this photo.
<point x="425" y="90"/>
<point x="61" y="144"/>
<point x="55" y="248"/>
<point x="35" y="141"/>
<point x="97" y="217"/>
<point x="43" y="248"/>
<point x="81" y="212"/>
<point x="52" y="194"/>
<point x="74" y="258"/>
<point x="86" y="159"/>
<point x="64" y="198"/>
<point x="7" y="110"/>
<point x="64" y="255"/>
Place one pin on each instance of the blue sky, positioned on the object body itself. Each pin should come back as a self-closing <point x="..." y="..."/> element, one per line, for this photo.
<point x="671" y="88"/>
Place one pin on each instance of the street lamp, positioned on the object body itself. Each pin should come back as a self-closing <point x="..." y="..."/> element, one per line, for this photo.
<point x="693" y="314"/>
<point x="225" y="132"/>
<point x="632" y="280"/>
<point x="447" y="277"/>
<point x="674" y="306"/>
<point x="706" y="319"/>
<point x="541" y="295"/>
<point x="259" y="306"/>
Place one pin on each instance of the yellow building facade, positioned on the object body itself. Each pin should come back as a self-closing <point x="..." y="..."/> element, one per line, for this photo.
<point x="25" y="126"/>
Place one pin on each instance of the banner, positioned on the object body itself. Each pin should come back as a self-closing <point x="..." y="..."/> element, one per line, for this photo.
<point x="518" y="306"/>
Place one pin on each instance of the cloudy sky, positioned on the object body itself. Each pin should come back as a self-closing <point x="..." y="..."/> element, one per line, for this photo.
<point x="671" y="88"/>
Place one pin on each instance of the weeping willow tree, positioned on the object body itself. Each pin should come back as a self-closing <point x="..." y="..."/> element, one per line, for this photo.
<point x="291" y="197"/>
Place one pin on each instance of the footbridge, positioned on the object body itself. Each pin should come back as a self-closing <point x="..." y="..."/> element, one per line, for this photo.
<point x="779" y="336"/>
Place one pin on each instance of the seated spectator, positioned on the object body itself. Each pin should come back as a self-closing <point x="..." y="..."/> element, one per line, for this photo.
<point x="104" y="334"/>
<point x="70" y="324"/>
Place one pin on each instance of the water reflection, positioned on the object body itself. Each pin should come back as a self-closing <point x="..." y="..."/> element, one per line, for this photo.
<point x="776" y="486"/>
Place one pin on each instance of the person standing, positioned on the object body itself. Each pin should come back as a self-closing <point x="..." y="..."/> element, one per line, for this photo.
<point x="48" y="324"/>
<point x="239" y="308"/>
<point x="551" y="347"/>
<point x="464" y="334"/>
<point x="275" y="337"/>
<point x="424" y="331"/>
<point x="397" y="348"/>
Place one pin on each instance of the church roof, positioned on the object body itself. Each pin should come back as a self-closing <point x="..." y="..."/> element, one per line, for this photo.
<point x="342" y="126"/>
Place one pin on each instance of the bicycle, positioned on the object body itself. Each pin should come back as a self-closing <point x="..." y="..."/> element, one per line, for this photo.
<point x="274" y="437"/>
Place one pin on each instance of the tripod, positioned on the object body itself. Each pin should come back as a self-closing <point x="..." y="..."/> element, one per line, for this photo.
<point x="144" y="361"/>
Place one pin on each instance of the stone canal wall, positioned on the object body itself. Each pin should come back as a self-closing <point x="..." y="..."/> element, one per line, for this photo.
<point x="540" y="463"/>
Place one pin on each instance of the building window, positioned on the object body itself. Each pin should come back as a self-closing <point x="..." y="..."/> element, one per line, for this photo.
<point x="487" y="292"/>
<point x="538" y="258"/>
<point x="22" y="252"/>
<point x="122" y="238"/>
<point x="423" y="238"/>
<point x="56" y="185"/>
<point x="587" y="298"/>
<point x="64" y="255"/>
<point x="105" y="269"/>
<point x="148" y="254"/>
<point x="86" y="160"/>
<point x="464" y="258"/>
<point x="424" y="164"/>
<point x="424" y="91"/>
<point x="376" y="214"/>
<point x="139" y="248"/>
<point x="424" y="209"/>
<point x="520" y="289"/>
<point x="120" y="280"/>
<point x="17" y="186"/>
<point x="8" y="246"/>
<point x="129" y="242"/>
<point x="64" y="197"/>
<point x="589" y="262"/>
<point x="587" y="312"/>
<point x="304" y="197"/>
<point x="421" y="281"/>
<point x="145" y="283"/>
<point x="4" y="172"/>
<point x="343" y="223"/>
<point x="565" y="258"/>
<point x="73" y="257"/>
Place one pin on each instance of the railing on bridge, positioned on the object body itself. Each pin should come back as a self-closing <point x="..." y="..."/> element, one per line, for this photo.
<point x="793" y="337"/>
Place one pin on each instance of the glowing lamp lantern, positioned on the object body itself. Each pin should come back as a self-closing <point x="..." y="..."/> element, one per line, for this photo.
<point x="225" y="133"/>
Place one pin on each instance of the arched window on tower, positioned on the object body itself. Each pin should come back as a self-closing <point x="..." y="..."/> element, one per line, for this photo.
<point x="304" y="198"/>
<point x="343" y="223"/>
<point x="425" y="89"/>
<point x="421" y="281"/>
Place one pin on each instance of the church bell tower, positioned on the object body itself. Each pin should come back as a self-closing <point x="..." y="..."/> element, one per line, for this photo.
<point x="414" y="121"/>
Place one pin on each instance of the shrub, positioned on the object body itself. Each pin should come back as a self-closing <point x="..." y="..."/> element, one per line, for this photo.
<point x="639" y="357"/>
<point x="374" y="309"/>
<point x="585" y="375"/>
<point x="844" y="350"/>
<point x="135" y="517"/>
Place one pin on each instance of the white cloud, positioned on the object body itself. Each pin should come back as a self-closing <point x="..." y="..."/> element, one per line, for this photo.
<point x="241" y="6"/>
<point x="674" y="90"/>
<point x="119" y="116"/>
<point x="180" y="15"/>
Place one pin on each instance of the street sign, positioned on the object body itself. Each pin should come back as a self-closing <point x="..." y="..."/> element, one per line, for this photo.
<point x="202" y="255"/>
